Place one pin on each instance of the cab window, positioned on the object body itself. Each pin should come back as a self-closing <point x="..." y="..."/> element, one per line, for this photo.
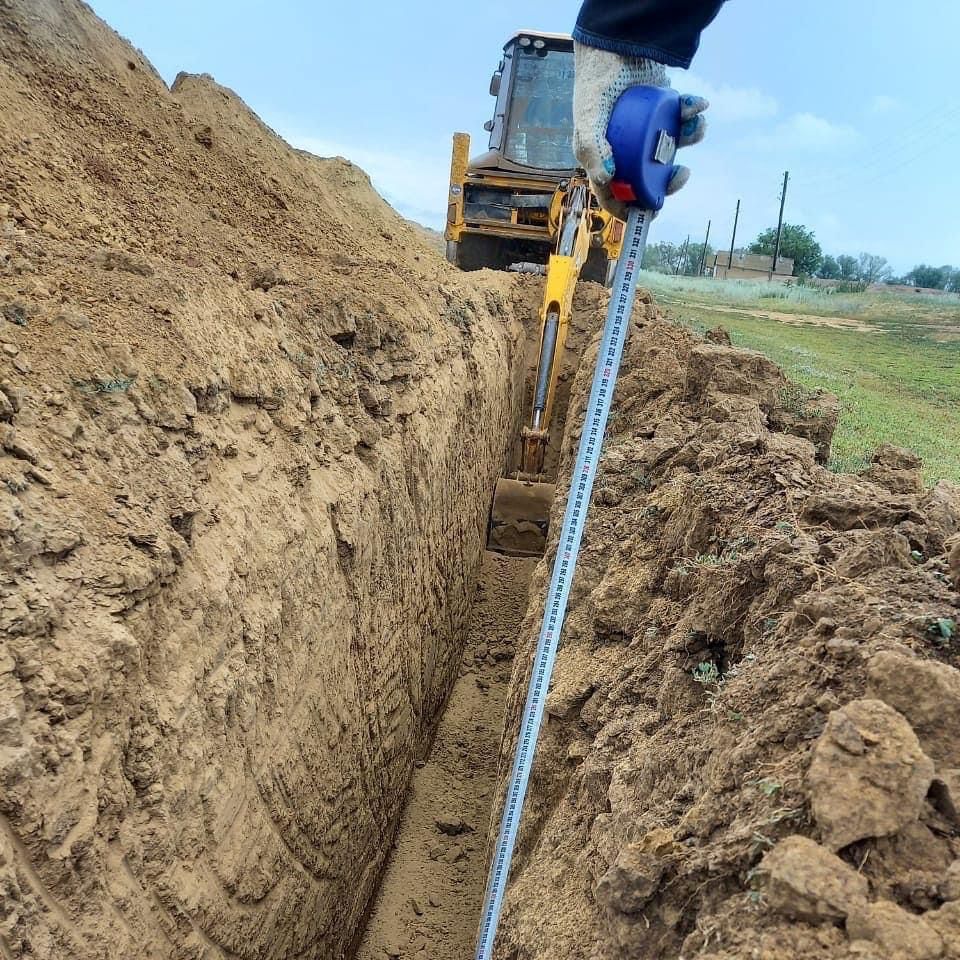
<point x="540" y="124"/>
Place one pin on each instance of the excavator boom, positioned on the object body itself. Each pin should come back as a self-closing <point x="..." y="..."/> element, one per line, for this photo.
<point x="563" y="271"/>
<point x="524" y="206"/>
<point x="520" y="512"/>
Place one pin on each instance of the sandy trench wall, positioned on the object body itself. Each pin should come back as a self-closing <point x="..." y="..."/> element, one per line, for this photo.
<point x="249" y="424"/>
<point x="750" y="744"/>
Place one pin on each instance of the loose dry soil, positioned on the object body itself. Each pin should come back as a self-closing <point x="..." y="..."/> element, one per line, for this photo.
<point x="250" y="421"/>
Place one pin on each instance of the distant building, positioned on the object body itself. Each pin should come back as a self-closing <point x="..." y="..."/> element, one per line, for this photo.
<point x="749" y="266"/>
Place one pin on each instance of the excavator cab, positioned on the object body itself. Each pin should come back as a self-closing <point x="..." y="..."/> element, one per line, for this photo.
<point x="505" y="205"/>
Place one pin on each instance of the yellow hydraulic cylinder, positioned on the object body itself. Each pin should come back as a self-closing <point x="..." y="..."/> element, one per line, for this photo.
<point x="562" y="275"/>
<point x="459" y="159"/>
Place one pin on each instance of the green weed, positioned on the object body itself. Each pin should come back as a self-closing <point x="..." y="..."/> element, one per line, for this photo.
<point x="761" y="842"/>
<point x="784" y="813"/>
<point x="848" y="464"/>
<point x="706" y="673"/>
<point x="105" y="384"/>
<point x="795" y="398"/>
<point x="768" y="786"/>
<point x="708" y="560"/>
<point x="943" y="629"/>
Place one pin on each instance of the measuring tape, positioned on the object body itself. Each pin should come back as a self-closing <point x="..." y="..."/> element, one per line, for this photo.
<point x="571" y="533"/>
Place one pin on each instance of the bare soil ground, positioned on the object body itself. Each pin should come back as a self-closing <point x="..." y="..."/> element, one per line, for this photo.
<point x="839" y="323"/>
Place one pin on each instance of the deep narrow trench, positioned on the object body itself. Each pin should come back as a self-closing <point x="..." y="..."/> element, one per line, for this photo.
<point x="430" y="896"/>
<point x="429" y="900"/>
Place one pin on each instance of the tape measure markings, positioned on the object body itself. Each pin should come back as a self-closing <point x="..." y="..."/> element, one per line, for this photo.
<point x="568" y="548"/>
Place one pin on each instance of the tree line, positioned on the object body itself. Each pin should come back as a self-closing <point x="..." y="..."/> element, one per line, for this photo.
<point x="678" y="258"/>
<point x="799" y="244"/>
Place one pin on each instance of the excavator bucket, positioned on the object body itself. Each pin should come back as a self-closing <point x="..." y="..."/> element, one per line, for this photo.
<point x="519" y="516"/>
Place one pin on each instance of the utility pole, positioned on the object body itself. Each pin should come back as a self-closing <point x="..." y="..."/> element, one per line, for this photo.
<point x="703" y="251"/>
<point x="776" y="246"/>
<point x="682" y="260"/>
<point x="733" y="239"/>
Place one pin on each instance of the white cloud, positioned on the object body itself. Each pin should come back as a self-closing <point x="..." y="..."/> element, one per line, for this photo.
<point x="727" y="104"/>
<point x="413" y="183"/>
<point x="806" y="132"/>
<point x="882" y="103"/>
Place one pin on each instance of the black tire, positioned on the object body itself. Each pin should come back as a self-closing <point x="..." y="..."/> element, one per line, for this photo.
<point x="475" y="252"/>
<point x="595" y="269"/>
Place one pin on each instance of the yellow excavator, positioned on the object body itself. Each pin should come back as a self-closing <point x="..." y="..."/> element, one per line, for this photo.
<point x="525" y="206"/>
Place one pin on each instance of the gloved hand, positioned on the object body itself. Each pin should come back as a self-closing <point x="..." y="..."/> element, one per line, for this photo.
<point x="600" y="77"/>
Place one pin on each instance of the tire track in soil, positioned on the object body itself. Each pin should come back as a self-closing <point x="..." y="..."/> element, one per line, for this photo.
<point x="428" y="904"/>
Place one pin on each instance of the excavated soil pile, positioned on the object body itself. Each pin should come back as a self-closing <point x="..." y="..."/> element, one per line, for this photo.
<point x="752" y="747"/>
<point x="249" y="423"/>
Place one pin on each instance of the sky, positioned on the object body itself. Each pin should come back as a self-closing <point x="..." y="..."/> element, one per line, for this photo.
<point x="856" y="98"/>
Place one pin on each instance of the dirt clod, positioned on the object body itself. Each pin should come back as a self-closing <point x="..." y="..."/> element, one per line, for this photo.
<point x="927" y="693"/>
<point x="807" y="882"/>
<point x="631" y="880"/>
<point x="868" y="776"/>
<point x="900" y="935"/>
<point x="74" y="318"/>
<point x="953" y="562"/>
<point x="452" y="825"/>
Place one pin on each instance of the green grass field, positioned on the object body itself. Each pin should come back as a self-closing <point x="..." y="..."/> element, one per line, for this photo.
<point x="893" y="359"/>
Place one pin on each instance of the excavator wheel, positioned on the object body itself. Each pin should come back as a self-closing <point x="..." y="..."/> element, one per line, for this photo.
<point x="519" y="517"/>
<point x="476" y="252"/>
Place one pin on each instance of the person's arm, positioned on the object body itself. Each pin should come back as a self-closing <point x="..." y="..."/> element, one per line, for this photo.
<point x="624" y="43"/>
<point x="667" y="31"/>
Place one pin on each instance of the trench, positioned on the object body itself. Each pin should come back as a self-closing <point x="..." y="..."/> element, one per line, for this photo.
<point x="429" y="899"/>
<point x="428" y="903"/>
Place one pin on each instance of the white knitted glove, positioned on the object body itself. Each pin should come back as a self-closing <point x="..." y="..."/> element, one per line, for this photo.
<point x="600" y="78"/>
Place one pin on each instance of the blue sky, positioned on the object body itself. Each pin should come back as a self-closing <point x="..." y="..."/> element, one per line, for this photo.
<point x="857" y="98"/>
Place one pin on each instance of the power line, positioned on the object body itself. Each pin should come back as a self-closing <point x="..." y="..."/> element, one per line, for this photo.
<point x="878" y="156"/>
<point x="873" y="152"/>
<point x="841" y="187"/>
